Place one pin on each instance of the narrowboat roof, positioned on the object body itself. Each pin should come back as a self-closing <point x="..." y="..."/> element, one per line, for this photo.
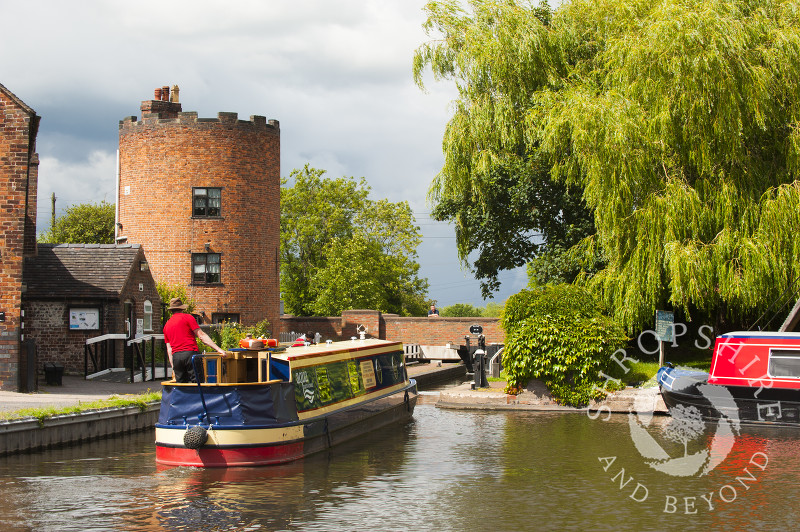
<point x="760" y="334"/>
<point x="348" y="346"/>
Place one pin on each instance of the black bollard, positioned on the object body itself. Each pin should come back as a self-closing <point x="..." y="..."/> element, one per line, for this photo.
<point x="480" y="364"/>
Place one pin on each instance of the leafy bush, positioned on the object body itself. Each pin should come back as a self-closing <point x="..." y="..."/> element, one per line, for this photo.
<point x="85" y="223"/>
<point x="168" y="291"/>
<point x="492" y="310"/>
<point x="560" y="334"/>
<point x="227" y="336"/>
<point x="466" y="310"/>
<point x="460" y="310"/>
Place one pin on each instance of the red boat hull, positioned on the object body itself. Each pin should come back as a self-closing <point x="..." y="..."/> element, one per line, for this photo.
<point x="241" y="456"/>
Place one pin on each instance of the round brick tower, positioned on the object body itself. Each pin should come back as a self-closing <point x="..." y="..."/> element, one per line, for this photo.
<point x="202" y="196"/>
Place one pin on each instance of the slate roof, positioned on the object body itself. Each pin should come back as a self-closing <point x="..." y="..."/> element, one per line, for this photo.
<point x="91" y="271"/>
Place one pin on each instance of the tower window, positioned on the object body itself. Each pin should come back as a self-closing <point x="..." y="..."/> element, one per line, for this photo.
<point x="205" y="268"/>
<point x="224" y="317"/>
<point x="207" y="202"/>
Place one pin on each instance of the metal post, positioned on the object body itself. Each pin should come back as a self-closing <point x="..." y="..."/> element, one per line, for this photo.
<point x="141" y="355"/>
<point x="470" y="367"/>
<point x="30" y="348"/>
<point x="166" y="359"/>
<point x="480" y="368"/>
<point x="153" y="358"/>
<point x="126" y="348"/>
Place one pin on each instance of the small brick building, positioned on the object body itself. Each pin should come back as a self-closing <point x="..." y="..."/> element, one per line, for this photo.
<point x="79" y="291"/>
<point x="19" y="165"/>
<point x="202" y="195"/>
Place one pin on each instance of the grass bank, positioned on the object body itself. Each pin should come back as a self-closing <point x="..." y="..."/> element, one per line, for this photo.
<point x="646" y="366"/>
<point x="141" y="401"/>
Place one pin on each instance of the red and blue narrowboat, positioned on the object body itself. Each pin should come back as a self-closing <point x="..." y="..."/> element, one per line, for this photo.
<point x="754" y="377"/>
<point x="271" y="406"/>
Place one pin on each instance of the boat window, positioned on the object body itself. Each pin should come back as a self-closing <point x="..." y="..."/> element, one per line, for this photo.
<point x="784" y="363"/>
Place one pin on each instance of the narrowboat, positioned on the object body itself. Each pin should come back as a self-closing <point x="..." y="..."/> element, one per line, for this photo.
<point x="271" y="406"/>
<point x="754" y="378"/>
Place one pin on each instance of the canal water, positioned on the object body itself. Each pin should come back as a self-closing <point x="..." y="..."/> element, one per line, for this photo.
<point x="445" y="470"/>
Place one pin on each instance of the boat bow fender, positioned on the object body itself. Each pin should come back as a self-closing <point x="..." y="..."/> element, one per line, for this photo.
<point x="195" y="437"/>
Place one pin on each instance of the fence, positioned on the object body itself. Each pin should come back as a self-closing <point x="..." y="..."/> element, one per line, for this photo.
<point x="139" y="360"/>
<point x="100" y="352"/>
<point x="287" y="337"/>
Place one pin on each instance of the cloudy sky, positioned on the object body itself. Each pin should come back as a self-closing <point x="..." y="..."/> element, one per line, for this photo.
<point x="336" y="74"/>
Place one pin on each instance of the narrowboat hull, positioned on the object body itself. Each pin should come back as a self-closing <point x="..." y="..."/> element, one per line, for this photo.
<point x="321" y="396"/>
<point x="742" y="403"/>
<point x="754" y="378"/>
<point x="231" y="446"/>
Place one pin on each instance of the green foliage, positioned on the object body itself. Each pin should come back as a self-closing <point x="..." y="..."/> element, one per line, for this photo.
<point x="466" y="310"/>
<point x="340" y="250"/>
<point x="495" y="184"/>
<point x="166" y="292"/>
<point x="492" y="310"/>
<point x="559" y="334"/>
<point x="228" y="334"/>
<point x="676" y="121"/>
<point x="86" y="223"/>
<point x="460" y="310"/>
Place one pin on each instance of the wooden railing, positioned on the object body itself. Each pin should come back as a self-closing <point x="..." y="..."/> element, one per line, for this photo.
<point x="100" y="352"/>
<point x="141" y="356"/>
<point x="412" y="353"/>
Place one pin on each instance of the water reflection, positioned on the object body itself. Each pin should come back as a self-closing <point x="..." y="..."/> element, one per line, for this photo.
<point x="446" y="470"/>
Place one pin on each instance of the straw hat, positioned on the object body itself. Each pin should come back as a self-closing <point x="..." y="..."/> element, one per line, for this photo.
<point x="176" y="304"/>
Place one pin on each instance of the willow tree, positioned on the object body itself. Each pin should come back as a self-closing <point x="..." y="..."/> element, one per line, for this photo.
<point x="677" y="120"/>
<point x="495" y="184"/>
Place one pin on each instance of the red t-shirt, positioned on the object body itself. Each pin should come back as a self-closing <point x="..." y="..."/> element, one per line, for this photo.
<point x="179" y="332"/>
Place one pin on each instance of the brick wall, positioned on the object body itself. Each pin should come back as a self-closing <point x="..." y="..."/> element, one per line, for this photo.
<point x="161" y="160"/>
<point x="18" y="167"/>
<point x="423" y="331"/>
<point x="441" y="331"/>
<point x="131" y="292"/>
<point x="47" y="323"/>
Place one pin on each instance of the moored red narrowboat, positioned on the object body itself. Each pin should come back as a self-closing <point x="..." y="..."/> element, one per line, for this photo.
<point x="271" y="406"/>
<point x="754" y="377"/>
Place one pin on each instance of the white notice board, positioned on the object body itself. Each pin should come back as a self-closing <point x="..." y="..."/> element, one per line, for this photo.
<point x="84" y="319"/>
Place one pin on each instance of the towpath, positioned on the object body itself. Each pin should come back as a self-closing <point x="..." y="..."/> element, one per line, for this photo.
<point x="76" y="389"/>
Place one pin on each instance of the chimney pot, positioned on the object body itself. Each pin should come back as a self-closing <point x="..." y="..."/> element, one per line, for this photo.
<point x="174" y="95"/>
<point x="165" y="93"/>
<point x="157" y="93"/>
